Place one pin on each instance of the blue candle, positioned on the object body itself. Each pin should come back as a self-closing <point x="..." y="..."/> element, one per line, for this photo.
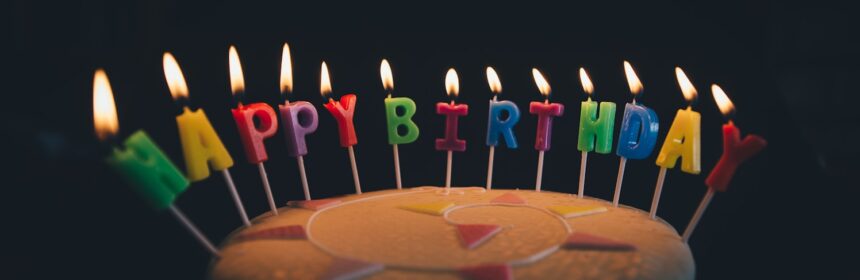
<point x="497" y="126"/>
<point x="638" y="134"/>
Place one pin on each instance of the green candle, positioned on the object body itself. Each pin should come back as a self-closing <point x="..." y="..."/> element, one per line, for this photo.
<point x="405" y="120"/>
<point x="148" y="170"/>
<point x="595" y="133"/>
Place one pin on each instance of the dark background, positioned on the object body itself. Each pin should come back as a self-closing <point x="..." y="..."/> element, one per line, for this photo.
<point x="791" y="70"/>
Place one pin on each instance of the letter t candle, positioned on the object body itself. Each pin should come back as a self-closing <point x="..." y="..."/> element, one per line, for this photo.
<point x="452" y="112"/>
<point x="545" y="112"/>
<point x="342" y="111"/>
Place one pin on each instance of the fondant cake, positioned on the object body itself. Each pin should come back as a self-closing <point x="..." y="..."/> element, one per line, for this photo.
<point x="461" y="233"/>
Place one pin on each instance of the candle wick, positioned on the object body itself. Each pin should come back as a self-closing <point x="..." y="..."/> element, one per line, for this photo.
<point x="495" y="97"/>
<point x="546" y="100"/>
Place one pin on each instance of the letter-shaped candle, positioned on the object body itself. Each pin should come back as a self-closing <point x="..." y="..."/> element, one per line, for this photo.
<point x="397" y="121"/>
<point x="452" y="112"/>
<point x="252" y="135"/>
<point x="497" y="126"/>
<point x="591" y="126"/>
<point x="545" y="112"/>
<point x="342" y="111"/>
<point x="300" y="118"/>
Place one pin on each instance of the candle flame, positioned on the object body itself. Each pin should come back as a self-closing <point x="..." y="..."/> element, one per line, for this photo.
<point x="686" y="86"/>
<point x="494" y="81"/>
<point x="286" y="70"/>
<point x="632" y="79"/>
<point x="452" y="83"/>
<point x="325" y="81"/>
<point x="104" y="109"/>
<point x="174" y="77"/>
<point x="387" y="77"/>
<point x="237" y="79"/>
<point x="723" y="101"/>
<point x="541" y="83"/>
<point x="587" y="86"/>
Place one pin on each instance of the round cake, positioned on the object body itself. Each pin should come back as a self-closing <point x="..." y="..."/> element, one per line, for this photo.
<point x="461" y="233"/>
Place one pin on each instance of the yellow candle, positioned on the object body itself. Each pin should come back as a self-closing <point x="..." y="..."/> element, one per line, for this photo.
<point x="683" y="141"/>
<point x="201" y="146"/>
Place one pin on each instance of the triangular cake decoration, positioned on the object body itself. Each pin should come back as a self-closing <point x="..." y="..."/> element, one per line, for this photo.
<point x="473" y="235"/>
<point x="343" y="269"/>
<point x="509" y="198"/>
<point x="434" y="208"/>
<point x="283" y="232"/>
<point x="315" y="204"/>
<point x="487" y="272"/>
<point x="570" y="211"/>
<point x="585" y="241"/>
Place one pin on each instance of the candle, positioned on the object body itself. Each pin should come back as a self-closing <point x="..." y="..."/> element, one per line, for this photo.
<point x="595" y="133"/>
<point x="452" y="112"/>
<point x="342" y="111"/>
<point x="141" y="163"/>
<point x="682" y="141"/>
<point x="639" y="128"/>
<point x="300" y="118"/>
<point x="252" y="135"/>
<point x="200" y="144"/>
<point x="496" y="125"/>
<point x="735" y="152"/>
<point x="545" y="112"/>
<point x="396" y="121"/>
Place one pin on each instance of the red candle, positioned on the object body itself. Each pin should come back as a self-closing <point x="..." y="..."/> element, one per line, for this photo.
<point x="342" y="111"/>
<point x="452" y="112"/>
<point x="252" y="136"/>
<point x="545" y="111"/>
<point x="735" y="150"/>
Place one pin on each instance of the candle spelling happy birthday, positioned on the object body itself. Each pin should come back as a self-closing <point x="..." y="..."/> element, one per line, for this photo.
<point x="452" y="112"/>
<point x="343" y="112"/>
<point x="252" y="135"/>
<point x="496" y="124"/>
<point x="200" y="144"/>
<point x="300" y="118"/>
<point x="682" y="141"/>
<point x="142" y="164"/>
<point x="396" y="121"/>
<point x="545" y="112"/>
<point x="639" y="128"/>
<point x="595" y="133"/>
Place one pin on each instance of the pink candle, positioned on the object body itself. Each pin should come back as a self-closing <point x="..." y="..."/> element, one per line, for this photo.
<point x="452" y="112"/>
<point x="545" y="112"/>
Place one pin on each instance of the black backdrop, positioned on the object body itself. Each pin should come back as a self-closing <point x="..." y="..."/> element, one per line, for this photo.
<point x="789" y="70"/>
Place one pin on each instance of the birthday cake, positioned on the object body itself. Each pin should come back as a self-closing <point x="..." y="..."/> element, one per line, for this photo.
<point x="462" y="233"/>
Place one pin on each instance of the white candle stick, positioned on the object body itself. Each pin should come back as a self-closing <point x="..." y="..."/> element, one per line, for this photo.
<point x="267" y="188"/>
<point x="235" y="194"/>
<point x="698" y="215"/>
<point x="354" y="170"/>
<point x="539" y="171"/>
<point x="621" y="164"/>
<point x="397" y="167"/>
<point x="194" y="231"/>
<point x="656" y="200"/>
<point x="490" y="168"/>
<point x="305" y="189"/>
<point x="448" y="171"/>
<point x="582" y="164"/>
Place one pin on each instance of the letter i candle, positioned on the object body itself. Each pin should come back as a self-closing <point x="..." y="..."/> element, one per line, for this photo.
<point x="735" y="152"/>
<point x="395" y="121"/>
<point x="682" y="141"/>
<point x="342" y="111"/>
<point x="141" y="163"/>
<point x="639" y="128"/>
<point x="298" y="119"/>
<point x="200" y="144"/>
<point x="452" y="112"/>
<point x="497" y="126"/>
<point x="545" y="112"/>
<point x="252" y="135"/>
<point x="593" y="129"/>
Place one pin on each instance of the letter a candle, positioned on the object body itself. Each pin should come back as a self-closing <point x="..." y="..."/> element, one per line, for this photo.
<point x="299" y="119"/>
<point x="593" y="129"/>
<point x="395" y="121"/>
<point x="200" y="144"/>
<point x="682" y="141"/>
<point x="252" y="135"/>
<point x="342" y="111"/>
<point x="497" y="126"/>
<point x="639" y="129"/>
<point x="452" y="112"/>
<point x="545" y="112"/>
<point x="735" y="152"/>
<point x="142" y="164"/>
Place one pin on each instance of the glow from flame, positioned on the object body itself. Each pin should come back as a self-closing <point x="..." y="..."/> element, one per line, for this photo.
<point x="587" y="86"/>
<point x="104" y="108"/>
<point x="387" y="77"/>
<point x="723" y="101"/>
<point x="174" y="77"/>
<point x="632" y="79"/>
<point x="686" y="86"/>
<point x="494" y="81"/>
<point x="541" y="83"/>
<point x="452" y="83"/>
<point x="286" y="70"/>
<point x="237" y="78"/>
<point x="325" y="80"/>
